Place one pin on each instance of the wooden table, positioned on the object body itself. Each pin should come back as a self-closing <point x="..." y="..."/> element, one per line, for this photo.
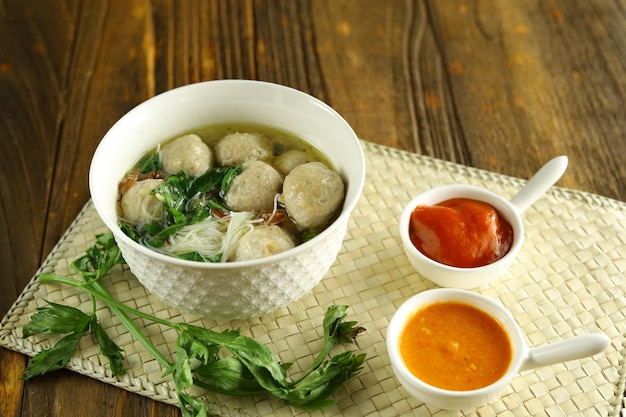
<point x="500" y="85"/>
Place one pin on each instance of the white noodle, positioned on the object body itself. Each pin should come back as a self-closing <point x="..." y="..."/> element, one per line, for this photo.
<point x="192" y="201"/>
<point x="274" y="210"/>
<point x="204" y="237"/>
<point x="240" y="224"/>
<point x="211" y="236"/>
<point x="157" y="211"/>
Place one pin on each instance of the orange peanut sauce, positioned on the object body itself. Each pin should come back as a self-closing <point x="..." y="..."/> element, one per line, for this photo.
<point x="460" y="232"/>
<point x="454" y="346"/>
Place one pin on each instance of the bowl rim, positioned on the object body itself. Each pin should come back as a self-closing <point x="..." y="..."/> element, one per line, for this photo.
<point x="477" y="194"/>
<point x="341" y="221"/>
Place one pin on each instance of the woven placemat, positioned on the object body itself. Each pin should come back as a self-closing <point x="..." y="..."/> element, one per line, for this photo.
<point x="568" y="280"/>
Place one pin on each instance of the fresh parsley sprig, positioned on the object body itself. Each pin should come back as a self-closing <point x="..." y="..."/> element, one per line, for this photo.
<point x="250" y="367"/>
<point x="57" y="319"/>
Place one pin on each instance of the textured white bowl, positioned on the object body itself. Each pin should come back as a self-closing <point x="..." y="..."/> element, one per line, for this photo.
<point x="236" y="289"/>
<point x="450" y="276"/>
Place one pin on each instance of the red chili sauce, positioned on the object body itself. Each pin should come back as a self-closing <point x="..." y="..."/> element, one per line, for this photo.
<point x="460" y="232"/>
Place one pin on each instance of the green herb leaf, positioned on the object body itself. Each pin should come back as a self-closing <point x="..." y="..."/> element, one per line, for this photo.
<point x="56" y="319"/>
<point x="99" y="258"/>
<point x="218" y="178"/>
<point x="255" y="356"/>
<point x="150" y="163"/>
<point x="159" y="239"/>
<point x="183" y="377"/>
<point x="61" y="319"/>
<point x="335" y="331"/>
<point x="227" y="376"/>
<point x="313" y="391"/>
<point x="228" y="178"/>
<point x="346" y="332"/>
<point x="197" y="256"/>
<point x="191" y="407"/>
<point x="310" y="233"/>
<point x="130" y="231"/>
<point x="173" y="193"/>
<point x="108" y="348"/>
<point x="54" y="358"/>
<point x="198" y="214"/>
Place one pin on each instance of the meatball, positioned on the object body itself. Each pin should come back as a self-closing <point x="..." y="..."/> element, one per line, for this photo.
<point x="138" y="205"/>
<point x="237" y="148"/>
<point x="289" y="160"/>
<point x="255" y="188"/>
<point x="188" y="153"/>
<point x="312" y="193"/>
<point x="263" y="241"/>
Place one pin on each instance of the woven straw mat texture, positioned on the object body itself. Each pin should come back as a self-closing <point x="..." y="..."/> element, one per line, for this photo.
<point x="568" y="280"/>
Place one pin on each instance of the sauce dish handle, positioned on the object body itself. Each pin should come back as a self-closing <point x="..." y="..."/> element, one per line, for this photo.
<point x="540" y="183"/>
<point x="566" y="350"/>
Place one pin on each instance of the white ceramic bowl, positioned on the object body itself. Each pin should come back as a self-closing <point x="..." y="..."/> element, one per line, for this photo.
<point x="523" y="358"/>
<point x="236" y="289"/>
<point x="455" y="277"/>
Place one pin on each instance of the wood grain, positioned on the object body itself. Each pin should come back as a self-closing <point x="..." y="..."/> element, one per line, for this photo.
<point x="502" y="86"/>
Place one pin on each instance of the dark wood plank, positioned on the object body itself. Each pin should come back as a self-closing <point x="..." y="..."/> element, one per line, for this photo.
<point x="32" y="69"/>
<point x="111" y="74"/>
<point x="362" y="74"/>
<point x="112" y="65"/>
<point x="11" y="387"/>
<point x="531" y="80"/>
<point x="65" y="393"/>
<point x="55" y="116"/>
